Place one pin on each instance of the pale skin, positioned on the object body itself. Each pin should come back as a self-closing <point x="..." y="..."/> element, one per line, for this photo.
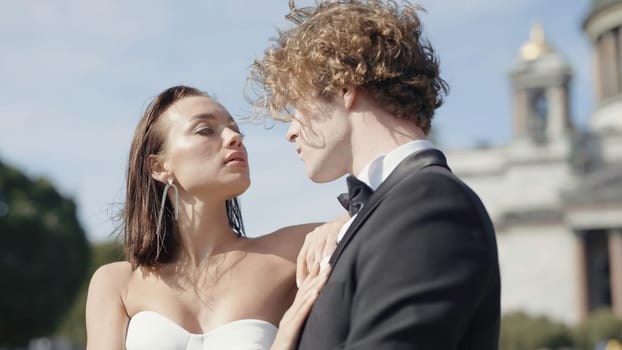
<point x="339" y="136"/>
<point x="217" y="277"/>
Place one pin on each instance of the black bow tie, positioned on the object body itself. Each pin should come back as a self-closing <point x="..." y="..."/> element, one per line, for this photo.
<point x="357" y="196"/>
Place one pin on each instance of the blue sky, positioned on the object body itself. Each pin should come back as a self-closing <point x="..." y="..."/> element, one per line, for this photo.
<point x="75" y="77"/>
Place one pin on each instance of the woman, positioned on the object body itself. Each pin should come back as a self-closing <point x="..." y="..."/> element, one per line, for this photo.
<point x="193" y="281"/>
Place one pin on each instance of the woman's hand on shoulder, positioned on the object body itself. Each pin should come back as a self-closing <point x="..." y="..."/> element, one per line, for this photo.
<point x="318" y="246"/>
<point x="106" y="317"/>
<point x="295" y="316"/>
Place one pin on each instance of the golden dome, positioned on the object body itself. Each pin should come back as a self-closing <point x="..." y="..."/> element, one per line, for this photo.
<point x="536" y="46"/>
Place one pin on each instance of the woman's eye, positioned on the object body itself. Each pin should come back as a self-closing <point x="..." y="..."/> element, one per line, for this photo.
<point x="205" y="131"/>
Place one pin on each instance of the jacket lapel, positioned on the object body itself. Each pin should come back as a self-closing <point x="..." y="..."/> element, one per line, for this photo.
<point x="411" y="164"/>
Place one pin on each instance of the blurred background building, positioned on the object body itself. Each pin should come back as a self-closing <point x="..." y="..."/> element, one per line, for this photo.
<point x="554" y="191"/>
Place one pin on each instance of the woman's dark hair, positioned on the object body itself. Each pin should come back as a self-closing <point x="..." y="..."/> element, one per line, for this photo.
<point x="144" y="194"/>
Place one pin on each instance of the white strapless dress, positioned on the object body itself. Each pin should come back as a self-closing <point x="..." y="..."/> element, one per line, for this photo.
<point x="149" y="330"/>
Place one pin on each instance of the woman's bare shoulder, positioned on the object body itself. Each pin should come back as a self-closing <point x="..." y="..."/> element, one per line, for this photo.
<point x="112" y="275"/>
<point x="284" y="242"/>
<point x="287" y="235"/>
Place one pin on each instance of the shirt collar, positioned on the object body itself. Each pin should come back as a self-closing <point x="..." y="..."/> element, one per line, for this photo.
<point x="376" y="171"/>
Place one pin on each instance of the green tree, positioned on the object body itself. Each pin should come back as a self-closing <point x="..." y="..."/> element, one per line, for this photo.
<point x="43" y="257"/>
<point x="602" y="325"/>
<point x="520" y="331"/>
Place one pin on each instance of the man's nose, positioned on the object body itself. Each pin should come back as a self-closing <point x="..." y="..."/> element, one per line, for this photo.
<point x="293" y="131"/>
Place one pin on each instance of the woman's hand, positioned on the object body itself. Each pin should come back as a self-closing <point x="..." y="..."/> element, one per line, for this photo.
<point x="294" y="317"/>
<point x="319" y="244"/>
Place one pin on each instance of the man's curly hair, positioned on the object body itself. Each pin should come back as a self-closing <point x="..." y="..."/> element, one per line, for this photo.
<point x="376" y="46"/>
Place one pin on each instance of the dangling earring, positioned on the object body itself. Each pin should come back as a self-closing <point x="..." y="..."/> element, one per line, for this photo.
<point x="169" y="184"/>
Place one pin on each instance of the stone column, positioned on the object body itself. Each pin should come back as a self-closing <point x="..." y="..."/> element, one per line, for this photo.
<point x="619" y="58"/>
<point x="520" y="111"/>
<point x="582" y="280"/>
<point x="615" y="270"/>
<point x="598" y="71"/>
<point x="558" y="111"/>
<point x="609" y="64"/>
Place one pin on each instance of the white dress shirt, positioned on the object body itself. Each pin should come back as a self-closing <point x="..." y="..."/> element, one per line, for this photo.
<point x="378" y="170"/>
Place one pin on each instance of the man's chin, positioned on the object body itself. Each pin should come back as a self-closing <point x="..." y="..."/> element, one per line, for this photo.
<point x="322" y="178"/>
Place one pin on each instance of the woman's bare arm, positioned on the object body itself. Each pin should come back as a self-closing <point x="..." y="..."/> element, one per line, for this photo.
<point x="106" y="318"/>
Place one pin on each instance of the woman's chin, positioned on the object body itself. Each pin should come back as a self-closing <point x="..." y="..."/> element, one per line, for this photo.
<point x="241" y="188"/>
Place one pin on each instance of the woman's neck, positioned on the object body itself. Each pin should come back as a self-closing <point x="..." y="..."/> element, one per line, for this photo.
<point x="204" y="230"/>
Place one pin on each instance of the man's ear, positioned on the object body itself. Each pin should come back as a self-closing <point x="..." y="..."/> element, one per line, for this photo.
<point x="158" y="171"/>
<point x="348" y="95"/>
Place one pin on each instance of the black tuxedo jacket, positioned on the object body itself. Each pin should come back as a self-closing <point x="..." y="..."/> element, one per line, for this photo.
<point x="417" y="269"/>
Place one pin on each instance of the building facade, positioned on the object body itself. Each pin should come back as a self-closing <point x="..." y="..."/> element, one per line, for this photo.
<point x="555" y="191"/>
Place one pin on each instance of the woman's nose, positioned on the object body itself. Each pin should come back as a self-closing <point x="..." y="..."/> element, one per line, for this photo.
<point x="234" y="138"/>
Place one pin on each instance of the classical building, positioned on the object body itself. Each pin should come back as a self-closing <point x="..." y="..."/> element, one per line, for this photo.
<point x="555" y="191"/>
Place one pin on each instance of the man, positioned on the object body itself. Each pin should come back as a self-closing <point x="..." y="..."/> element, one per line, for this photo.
<point x="416" y="267"/>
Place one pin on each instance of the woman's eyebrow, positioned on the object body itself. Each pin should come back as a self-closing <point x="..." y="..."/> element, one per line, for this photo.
<point x="208" y="116"/>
